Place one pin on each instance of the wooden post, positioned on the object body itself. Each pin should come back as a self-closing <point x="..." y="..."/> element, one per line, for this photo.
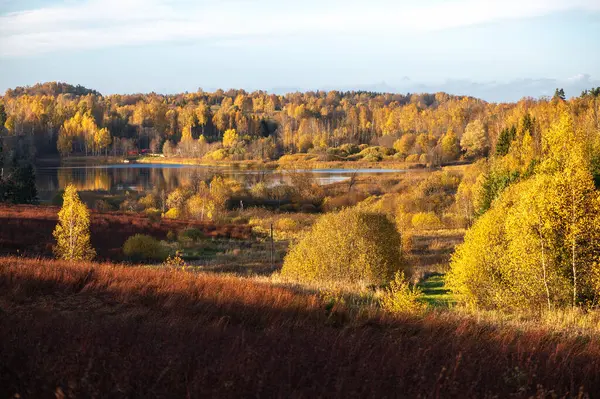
<point x="272" y="247"/>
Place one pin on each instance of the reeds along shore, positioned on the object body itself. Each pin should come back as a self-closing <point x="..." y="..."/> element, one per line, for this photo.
<point x="89" y="329"/>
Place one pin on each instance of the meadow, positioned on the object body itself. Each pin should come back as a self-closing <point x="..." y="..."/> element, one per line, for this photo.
<point x="93" y="329"/>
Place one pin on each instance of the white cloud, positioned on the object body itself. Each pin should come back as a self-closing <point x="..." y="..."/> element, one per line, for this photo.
<point x="106" y="23"/>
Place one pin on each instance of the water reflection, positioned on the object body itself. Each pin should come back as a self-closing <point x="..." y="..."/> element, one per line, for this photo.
<point x="144" y="177"/>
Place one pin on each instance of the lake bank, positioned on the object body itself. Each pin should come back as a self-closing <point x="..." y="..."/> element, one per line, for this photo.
<point x="285" y="162"/>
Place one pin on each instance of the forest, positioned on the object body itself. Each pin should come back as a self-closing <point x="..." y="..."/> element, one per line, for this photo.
<point x="472" y="269"/>
<point x="58" y="118"/>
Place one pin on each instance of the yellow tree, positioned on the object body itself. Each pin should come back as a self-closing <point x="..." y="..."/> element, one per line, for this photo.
<point x="102" y="140"/>
<point x="72" y="233"/>
<point x="230" y="138"/>
<point x="449" y="143"/>
<point x="201" y="207"/>
<point x="474" y="140"/>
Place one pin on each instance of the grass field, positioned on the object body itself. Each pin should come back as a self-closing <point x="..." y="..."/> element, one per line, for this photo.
<point x="434" y="292"/>
<point x="98" y="330"/>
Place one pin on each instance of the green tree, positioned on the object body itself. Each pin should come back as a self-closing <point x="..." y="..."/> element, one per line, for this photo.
<point x="505" y="139"/>
<point x="19" y="187"/>
<point x="72" y="233"/>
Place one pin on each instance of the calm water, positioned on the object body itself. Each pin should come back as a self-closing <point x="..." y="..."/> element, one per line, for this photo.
<point x="143" y="177"/>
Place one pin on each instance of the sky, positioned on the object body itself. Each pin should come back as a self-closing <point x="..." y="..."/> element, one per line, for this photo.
<point x="498" y="50"/>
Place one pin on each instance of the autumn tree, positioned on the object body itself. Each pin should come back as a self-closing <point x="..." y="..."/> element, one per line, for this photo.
<point x="72" y="233"/>
<point x="230" y="137"/>
<point x="474" y="140"/>
<point x="450" y="147"/>
<point x="537" y="245"/>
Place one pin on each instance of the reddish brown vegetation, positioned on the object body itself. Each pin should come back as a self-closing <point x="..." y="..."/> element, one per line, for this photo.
<point x="28" y="229"/>
<point x="93" y="330"/>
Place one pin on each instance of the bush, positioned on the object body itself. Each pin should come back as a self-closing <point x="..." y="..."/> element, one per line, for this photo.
<point x="143" y="248"/>
<point x="286" y="224"/>
<point x="413" y="158"/>
<point x="172" y="213"/>
<point x="217" y="155"/>
<point x="102" y="206"/>
<point x="191" y="234"/>
<point x="352" y="245"/>
<point x="400" y="298"/>
<point x="349" y="149"/>
<point x="426" y="221"/>
<point x="148" y="201"/>
<point x="175" y="262"/>
<point x="153" y="214"/>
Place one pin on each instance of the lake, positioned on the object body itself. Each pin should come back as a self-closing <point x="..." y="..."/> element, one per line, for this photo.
<point x="142" y="177"/>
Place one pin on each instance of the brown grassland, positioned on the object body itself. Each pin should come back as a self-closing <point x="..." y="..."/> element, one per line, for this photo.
<point x="28" y="229"/>
<point x="103" y="330"/>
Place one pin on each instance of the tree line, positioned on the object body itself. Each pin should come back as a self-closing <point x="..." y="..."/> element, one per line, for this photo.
<point x="237" y="125"/>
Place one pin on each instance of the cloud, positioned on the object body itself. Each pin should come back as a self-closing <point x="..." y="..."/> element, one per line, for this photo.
<point x="88" y="24"/>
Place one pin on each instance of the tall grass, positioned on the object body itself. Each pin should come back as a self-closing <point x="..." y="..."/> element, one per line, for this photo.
<point x="101" y="330"/>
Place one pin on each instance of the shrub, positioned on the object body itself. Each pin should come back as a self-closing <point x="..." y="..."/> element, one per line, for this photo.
<point x="400" y="298"/>
<point x="349" y="149"/>
<point x="413" y="158"/>
<point x="286" y="224"/>
<point x="152" y="213"/>
<point x="143" y="248"/>
<point x="407" y="242"/>
<point x="175" y="262"/>
<point x="172" y="213"/>
<point x="148" y="201"/>
<point x="217" y="155"/>
<point x="352" y="245"/>
<point x="426" y="221"/>
<point x="260" y="190"/>
<point x="191" y="234"/>
<point x="102" y="206"/>
<point x="171" y="236"/>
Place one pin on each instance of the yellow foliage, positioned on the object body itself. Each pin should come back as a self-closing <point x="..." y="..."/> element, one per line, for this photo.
<point x="175" y="262"/>
<point x="352" y="245"/>
<point x="426" y="221"/>
<point x="286" y="224"/>
<point x="217" y="155"/>
<point x="172" y="213"/>
<point x="400" y="298"/>
<point x="230" y="137"/>
<point x="200" y="207"/>
<point x="72" y="232"/>
<point x="535" y="248"/>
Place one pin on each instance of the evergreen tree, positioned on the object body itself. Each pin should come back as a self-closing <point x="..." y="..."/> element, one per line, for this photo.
<point x="20" y="186"/>
<point x="504" y="141"/>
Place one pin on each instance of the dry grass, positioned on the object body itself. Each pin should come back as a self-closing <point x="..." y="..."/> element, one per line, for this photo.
<point x="100" y="330"/>
<point x="28" y="229"/>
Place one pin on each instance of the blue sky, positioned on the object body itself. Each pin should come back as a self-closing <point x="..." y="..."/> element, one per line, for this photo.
<point x="497" y="50"/>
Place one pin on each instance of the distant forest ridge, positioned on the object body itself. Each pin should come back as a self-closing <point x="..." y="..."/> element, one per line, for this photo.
<point x="232" y="125"/>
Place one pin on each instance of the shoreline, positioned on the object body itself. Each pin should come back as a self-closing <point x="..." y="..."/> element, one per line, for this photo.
<point x="278" y="164"/>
